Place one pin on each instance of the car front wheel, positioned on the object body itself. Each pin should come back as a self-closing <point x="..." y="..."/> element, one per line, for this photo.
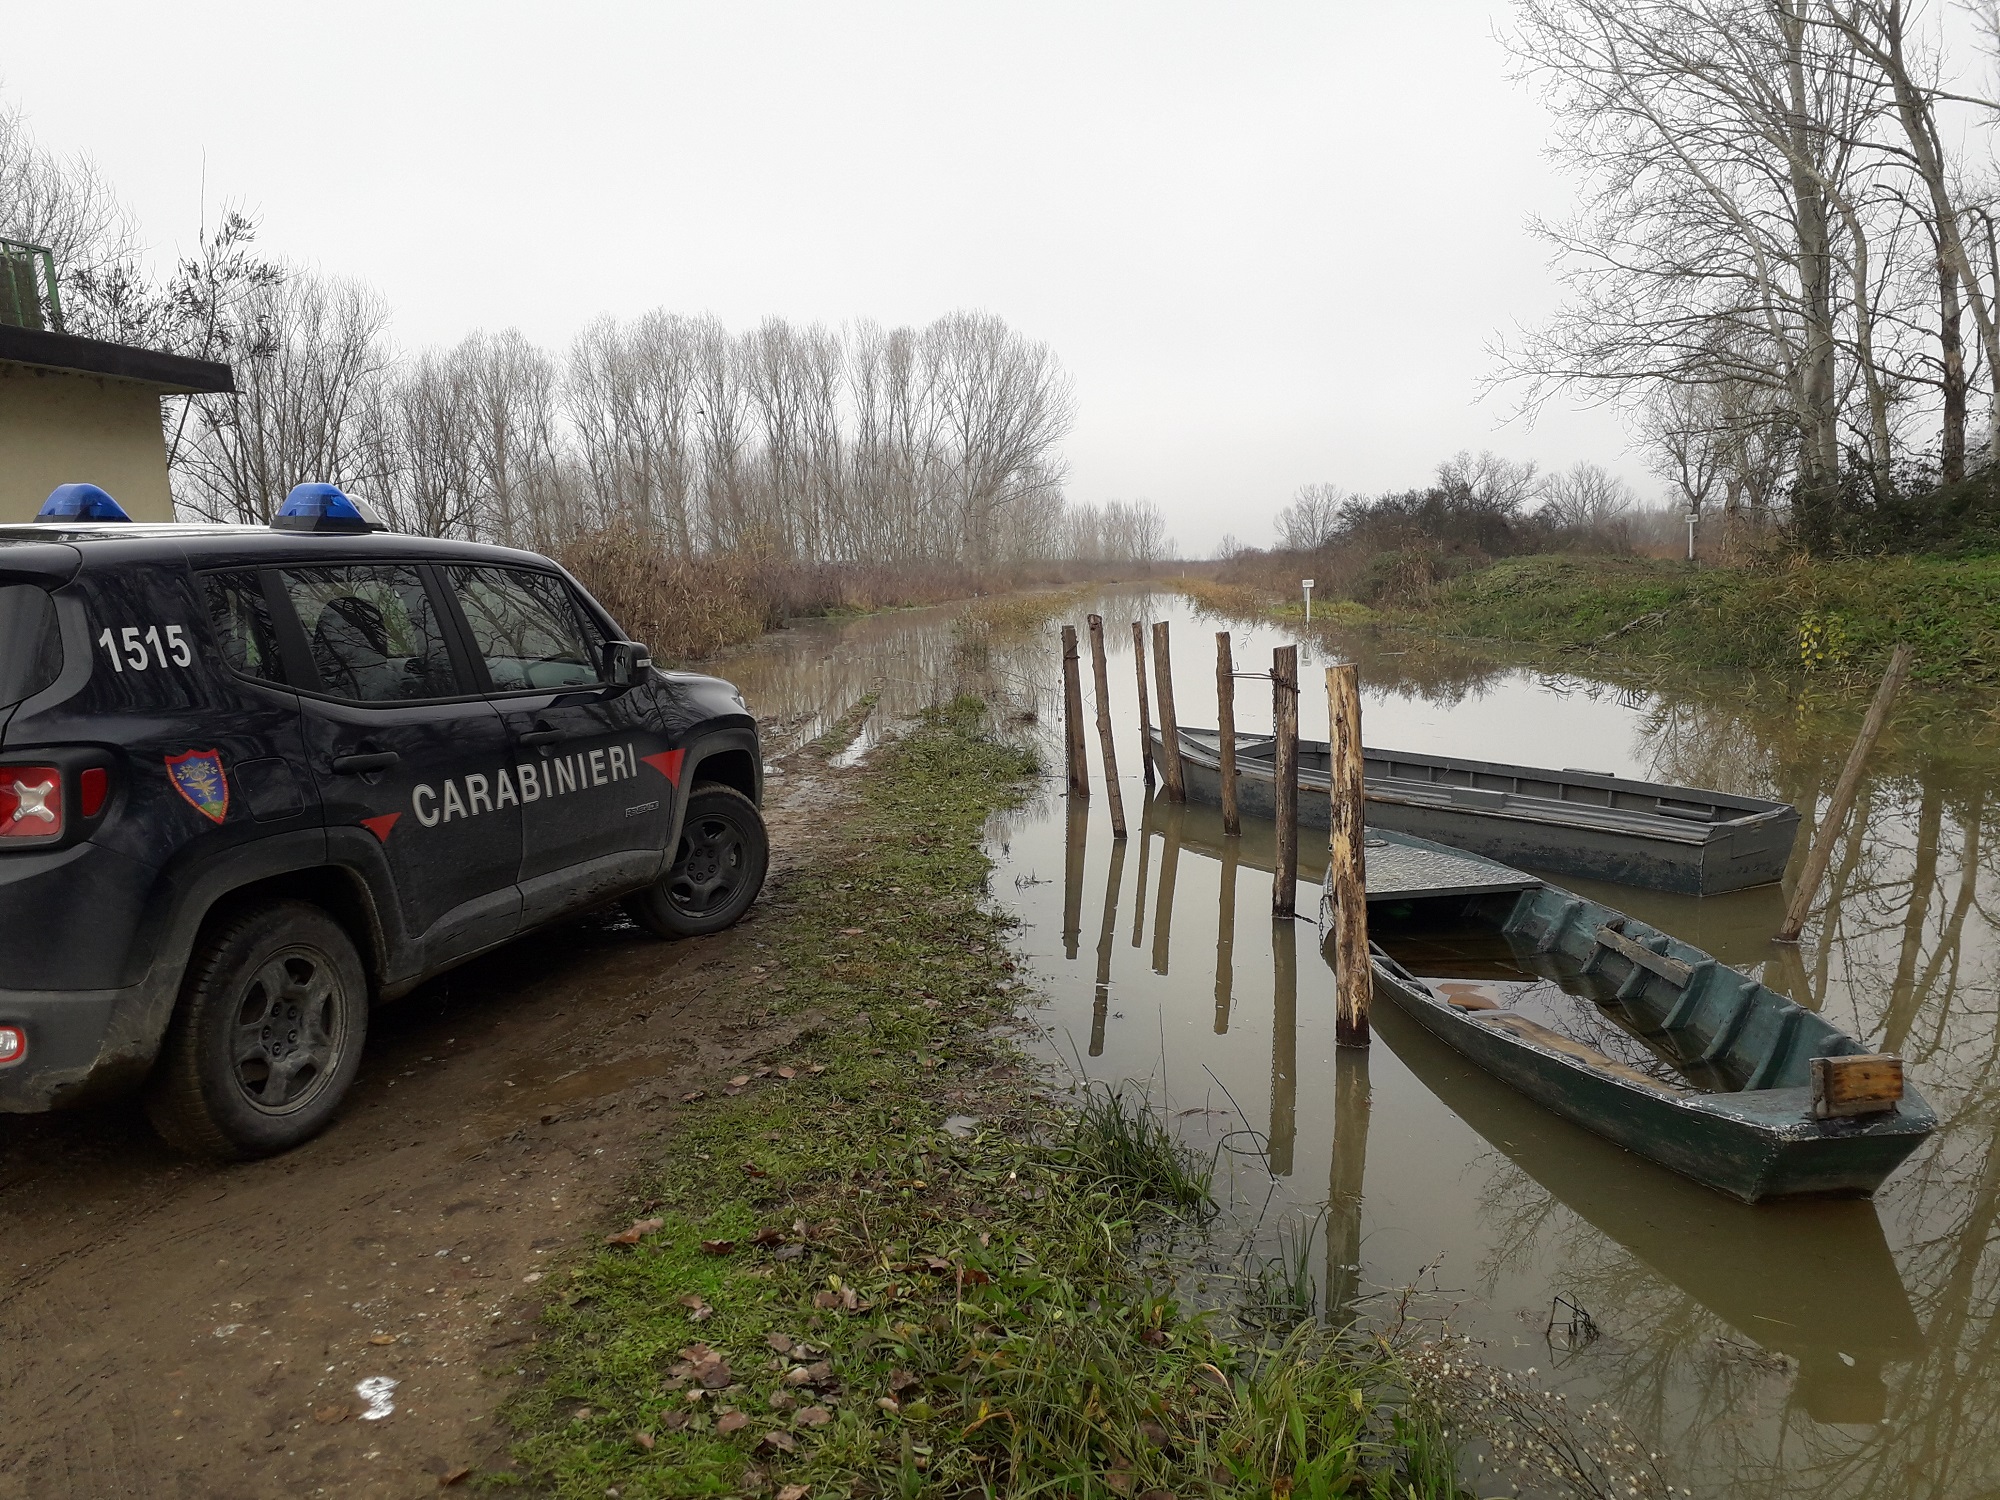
<point x="267" y="1037"/>
<point x="718" y="867"/>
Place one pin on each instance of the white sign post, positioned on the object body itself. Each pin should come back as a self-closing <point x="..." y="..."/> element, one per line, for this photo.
<point x="1692" y="517"/>
<point x="1307" y="583"/>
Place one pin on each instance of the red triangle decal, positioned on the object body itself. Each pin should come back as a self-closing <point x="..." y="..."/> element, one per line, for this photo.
<point x="380" y="826"/>
<point x="667" y="763"/>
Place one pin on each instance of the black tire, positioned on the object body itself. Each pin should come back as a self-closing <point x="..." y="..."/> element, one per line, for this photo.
<point x="267" y="1036"/>
<point x="718" y="868"/>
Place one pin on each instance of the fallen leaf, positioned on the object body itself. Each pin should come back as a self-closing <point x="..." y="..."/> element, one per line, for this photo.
<point x="813" y="1416"/>
<point x="698" y="1310"/>
<point x="718" y="1247"/>
<point x="674" y="1421"/>
<point x="751" y="1169"/>
<point x="693" y="1094"/>
<point x="1119" y="1482"/>
<point x="782" y="1342"/>
<point x="783" y="1401"/>
<point x="820" y="1373"/>
<point x="826" y="1301"/>
<point x="783" y="1442"/>
<point x="902" y="1380"/>
<point x="787" y="1073"/>
<point x="798" y="1375"/>
<point x="714" y="1373"/>
<point x="816" y="1067"/>
<point x="1157" y="1495"/>
<point x="644" y="1440"/>
<point x="853" y="931"/>
<point x="792" y="1492"/>
<point x="739" y="1080"/>
<point x="732" y="1421"/>
<point x="1154" y="1433"/>
<point x="382" y="1339"/>
<point x="332" y="1414"/>
<point x="788" y="1252"/>
<point x="453" y="1476"/>
<point x="639" y="1229"/>
<point x="972" y="1276"/>
<point x="764" y="1072"/>
<point x="770" y="1234"/>
<point x="888" y="1404"/>
<point x="694" y="1353"/>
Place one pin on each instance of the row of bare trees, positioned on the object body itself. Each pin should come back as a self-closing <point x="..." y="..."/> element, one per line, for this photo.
<point x="1786" y="225"/>
<point x="863" y="443"/>
<point x="854" y="444"/>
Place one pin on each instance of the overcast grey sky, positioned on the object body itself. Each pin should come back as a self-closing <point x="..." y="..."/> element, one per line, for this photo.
<point x="1271" y="242"/>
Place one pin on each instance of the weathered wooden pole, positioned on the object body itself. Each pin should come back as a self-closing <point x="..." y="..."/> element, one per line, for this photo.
<point x="1079" y="772"/>
<point x="1821" y="853"/>
<point x="1346" y="873"/>
<point x="1285" y="724"/>
<point x="1170" y="727"/>
<point x="1145" y="713"/>
<point x="1225" y="720"/>
<point x="1102" y="683"/>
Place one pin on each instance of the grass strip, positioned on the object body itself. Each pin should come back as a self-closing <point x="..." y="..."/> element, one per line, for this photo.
<point x="895" y="1266"/>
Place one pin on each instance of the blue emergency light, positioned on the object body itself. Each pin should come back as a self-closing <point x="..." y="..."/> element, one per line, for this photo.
<point x="80" y="502"/>
<point x="324" y="507"/>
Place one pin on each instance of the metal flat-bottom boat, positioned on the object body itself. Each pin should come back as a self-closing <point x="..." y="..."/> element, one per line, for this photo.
<point x="1631" y="1033"/>
<point x="1642" y="833"/>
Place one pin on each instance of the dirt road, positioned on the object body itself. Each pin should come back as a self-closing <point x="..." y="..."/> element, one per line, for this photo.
<point x="179" y="1329"/>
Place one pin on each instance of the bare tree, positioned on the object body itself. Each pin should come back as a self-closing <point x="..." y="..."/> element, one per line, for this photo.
<point x="1312" y="520"/>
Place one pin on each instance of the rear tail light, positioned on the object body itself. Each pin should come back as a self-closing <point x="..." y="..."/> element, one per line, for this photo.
<point x="13" y="1045"/>
<point x="31" y="803"/>
<point x="92" y="787"/>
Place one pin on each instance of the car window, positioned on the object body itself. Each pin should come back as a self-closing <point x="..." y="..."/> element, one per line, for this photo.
<point x="30" y="643"/>
<point x="242" y="618"/>
<point x="527" y="628"/>
<point x="372" y="633"/>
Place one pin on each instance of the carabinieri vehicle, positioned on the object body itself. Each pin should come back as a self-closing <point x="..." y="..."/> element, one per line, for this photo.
<point x="254" y="779"/>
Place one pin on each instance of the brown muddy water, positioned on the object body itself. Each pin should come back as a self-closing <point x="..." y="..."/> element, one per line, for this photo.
<point x="1838" y="1348"/>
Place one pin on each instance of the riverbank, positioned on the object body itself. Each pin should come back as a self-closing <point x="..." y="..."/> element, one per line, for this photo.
<point x="889" y="1263"/>
<point x="1799" y="617"/>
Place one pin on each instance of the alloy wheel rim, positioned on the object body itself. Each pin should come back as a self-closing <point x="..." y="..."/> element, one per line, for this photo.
<point x="287" y="1037"/>
<point x="708" y="867"/>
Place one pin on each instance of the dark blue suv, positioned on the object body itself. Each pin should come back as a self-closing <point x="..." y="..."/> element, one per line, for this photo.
<point x="254" y="779"/>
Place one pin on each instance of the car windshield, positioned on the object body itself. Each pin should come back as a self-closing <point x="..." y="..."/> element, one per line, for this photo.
<point x="30" y="643"/>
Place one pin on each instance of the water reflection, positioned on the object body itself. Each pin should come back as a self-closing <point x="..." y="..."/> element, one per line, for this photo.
<point x="1843" y="1349"/>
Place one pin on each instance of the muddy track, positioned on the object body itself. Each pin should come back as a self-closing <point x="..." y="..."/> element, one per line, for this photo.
<point x="180" y="1329"/>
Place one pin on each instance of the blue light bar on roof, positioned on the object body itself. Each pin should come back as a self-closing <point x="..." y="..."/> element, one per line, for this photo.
<point x="80" y="502"/>
<point x="323" y="507"/>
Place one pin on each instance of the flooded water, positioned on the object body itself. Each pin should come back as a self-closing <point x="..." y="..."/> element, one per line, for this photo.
<point x="1831" y="1348"/>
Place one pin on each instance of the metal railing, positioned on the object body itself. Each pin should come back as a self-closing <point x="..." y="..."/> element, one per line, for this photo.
<point x="28" y="295"/>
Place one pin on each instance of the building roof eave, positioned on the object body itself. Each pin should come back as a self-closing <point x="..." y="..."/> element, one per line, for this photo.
<point x="170" y="374"/>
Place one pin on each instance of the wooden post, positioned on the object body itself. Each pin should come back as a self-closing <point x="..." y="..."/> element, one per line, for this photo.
<point x="1284" y="1048"/>
<point x="1145" y="713"/>
<point x="1079" y="772"/>
<point x="1351" y="1101"/>
<point x="1844" y="792"/>
<point x="1225" y="720"/>
<point x="1225" y="938"/>
<point x="1100" y="1003"/>
<point x="1285" y="724"/>
<point x="1347" y="874"/>
<point x="1163" y="900"/>
<point x="1110" y="752"/>
<point x="1170" y="727"/>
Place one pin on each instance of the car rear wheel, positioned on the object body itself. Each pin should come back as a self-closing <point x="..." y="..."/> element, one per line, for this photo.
<point x="267" y="1037"/>
<point x="718" y="867"/>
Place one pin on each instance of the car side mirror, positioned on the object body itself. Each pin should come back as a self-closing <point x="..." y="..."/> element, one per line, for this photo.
<point x="626" y="663"/>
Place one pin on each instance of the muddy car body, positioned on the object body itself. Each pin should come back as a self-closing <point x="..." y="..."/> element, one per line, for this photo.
<point x="215" y="741"/>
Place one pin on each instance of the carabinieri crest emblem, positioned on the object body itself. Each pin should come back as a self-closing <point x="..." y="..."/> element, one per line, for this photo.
<point x="198" y="777"/>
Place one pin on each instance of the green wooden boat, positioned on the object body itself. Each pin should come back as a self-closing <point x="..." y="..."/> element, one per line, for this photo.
<point x="1813" y="1279"/>
<point x="1633" y="1034"/>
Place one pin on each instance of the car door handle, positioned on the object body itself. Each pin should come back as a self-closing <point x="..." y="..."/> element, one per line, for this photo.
<point x="541" y="736"/>
<point x="370" y="760"/>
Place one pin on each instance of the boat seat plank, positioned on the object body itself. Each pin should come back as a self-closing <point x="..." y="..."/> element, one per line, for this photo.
<point x="1555" y="1041"/>
<point x="1670" y="969"/>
